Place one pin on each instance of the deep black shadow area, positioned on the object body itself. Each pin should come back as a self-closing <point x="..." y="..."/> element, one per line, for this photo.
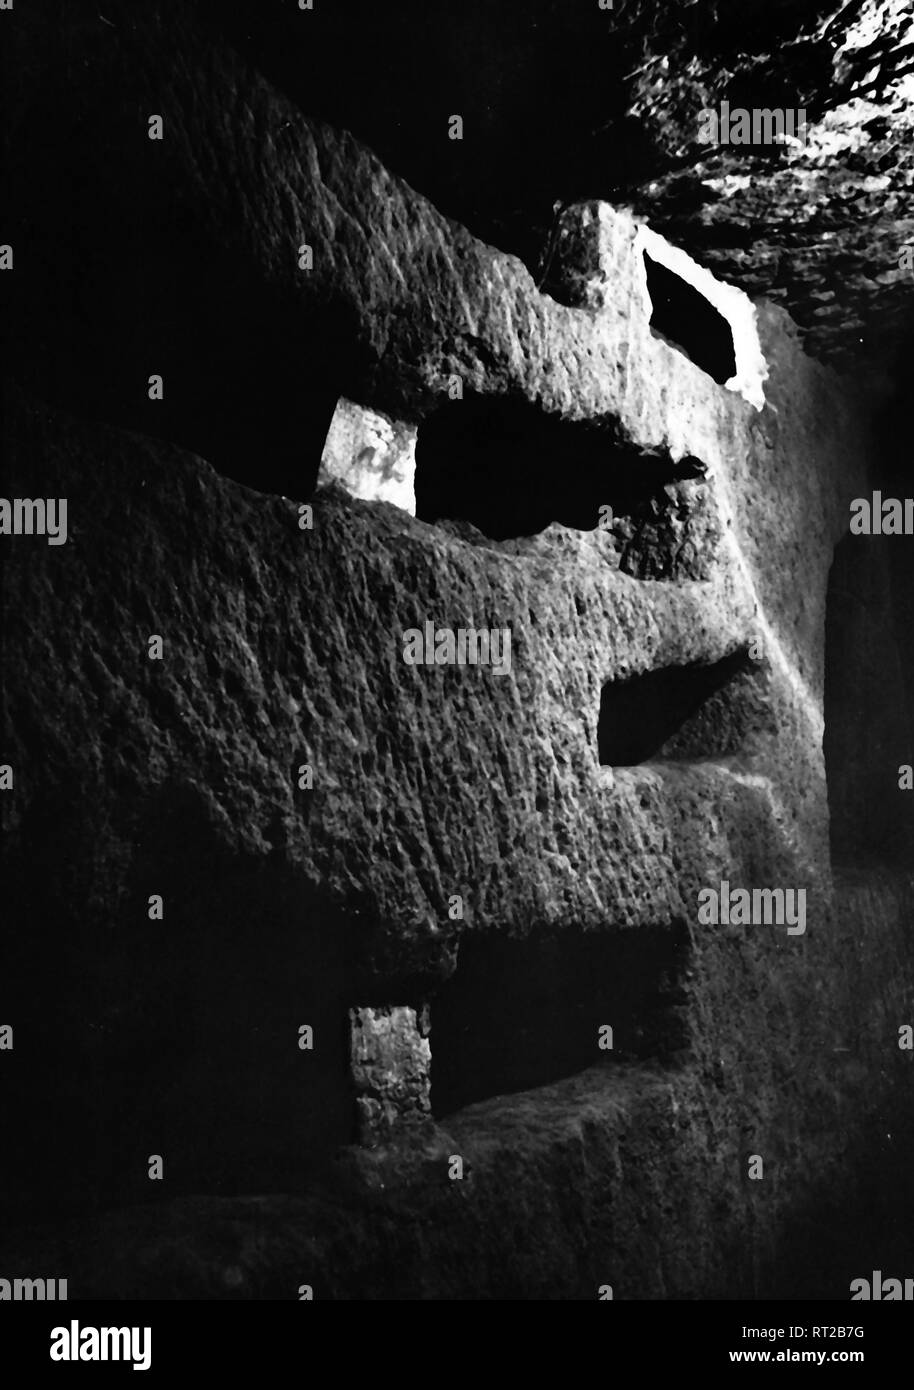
<point x="519" y="1013"/>
<point x="511" y="469"/>
<point x="125" y="281"/>
<point x="869" y="734"/>
<point x="138" y="1036"/>
<point x="544" y="88"/>
<point x="685" y="318"/>
<point x="677" y="712"/>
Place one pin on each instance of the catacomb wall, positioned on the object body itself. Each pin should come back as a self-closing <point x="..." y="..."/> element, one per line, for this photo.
<point x="495" y="857"/>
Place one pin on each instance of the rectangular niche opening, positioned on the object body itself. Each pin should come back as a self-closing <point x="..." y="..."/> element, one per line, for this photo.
<point x="684" y="318"/>
<point x="510" y="469"/>
<point x="679" y="712"/>
<point x="523" y="1012"/>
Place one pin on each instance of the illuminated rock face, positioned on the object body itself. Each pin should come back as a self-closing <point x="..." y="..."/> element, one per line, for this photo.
<point x="390" y="1065"/>
<point x="508" y="856"/>
<point x="371" y="456"/>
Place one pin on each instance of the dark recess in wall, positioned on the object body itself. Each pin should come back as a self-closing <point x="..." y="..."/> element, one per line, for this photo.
<point x="510" y="469"/>
<point x="685" y="318"/>
<point x="180" y="1037"/>
<point x="868" y="726"/>
<point x="519" y="1013"/>
<point x="679" y="711"/>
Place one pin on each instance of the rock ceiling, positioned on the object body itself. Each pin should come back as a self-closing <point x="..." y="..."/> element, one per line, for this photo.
<point x="566" y="102"/>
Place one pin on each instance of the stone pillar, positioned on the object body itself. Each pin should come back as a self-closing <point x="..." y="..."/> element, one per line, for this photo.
<point x="391" y="1064"/>
<point x="371" y="455"/>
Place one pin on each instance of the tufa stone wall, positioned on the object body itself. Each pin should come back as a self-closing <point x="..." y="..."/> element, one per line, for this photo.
<point x="246" y="868"/>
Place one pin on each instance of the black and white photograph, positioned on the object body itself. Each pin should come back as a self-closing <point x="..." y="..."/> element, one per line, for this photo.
<point x="457" y="665"/>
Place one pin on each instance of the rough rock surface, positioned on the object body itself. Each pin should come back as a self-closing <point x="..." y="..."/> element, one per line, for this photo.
<point x="371" y="456"/>
<point x="626" y="1177"/>
<point x="283" y="648"/>
<point x="595" y="104"/>
<point x="398" y="301"/>
<point x="446" y="809"/>
<point x="390" y="1067"/>
<point x="349" y="589"/>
